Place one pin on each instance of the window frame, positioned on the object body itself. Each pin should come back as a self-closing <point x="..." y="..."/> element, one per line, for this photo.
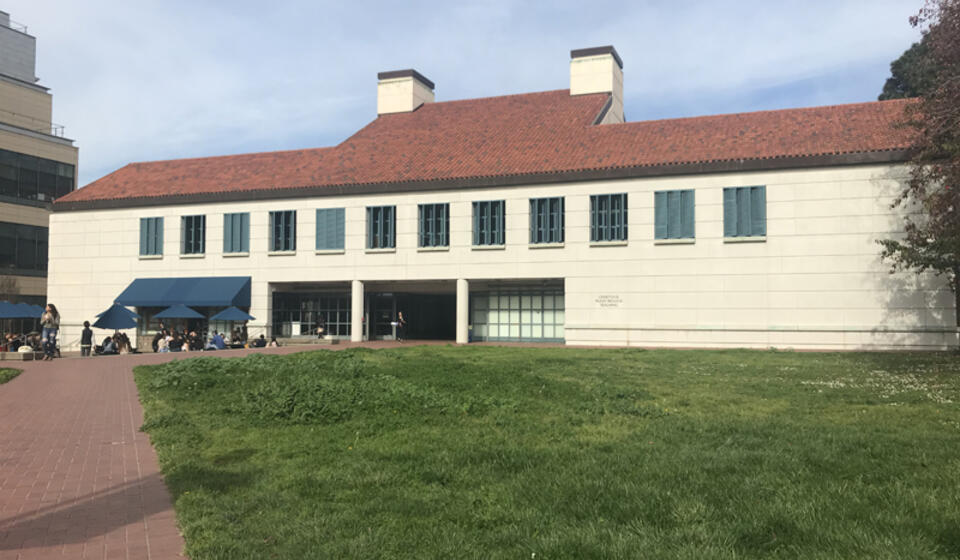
<point x="338" y="230"/>
<point x="381" y="227"/>
<point x="433" y="225"/>
<point x="151" y="236"/>
<point x="283" y="232"/>
<point x="608" y="218"/>
<point x="547" y="220"/>
<point x="675" y="216"/>
<point x="193" y="234"/>
<point x="745" y="212"/>
<point x="236" y="231"/>
<point x="489" y="223"/>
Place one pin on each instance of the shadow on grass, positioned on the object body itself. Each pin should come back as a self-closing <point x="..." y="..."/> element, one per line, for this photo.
<point x="192" y="477"/>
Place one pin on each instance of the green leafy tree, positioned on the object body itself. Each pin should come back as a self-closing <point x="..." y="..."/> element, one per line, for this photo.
<point x="911" y="75"/>
<point x="931" y="195"/>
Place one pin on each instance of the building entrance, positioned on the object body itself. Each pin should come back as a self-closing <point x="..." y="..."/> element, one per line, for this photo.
<point x="428" y="316"/>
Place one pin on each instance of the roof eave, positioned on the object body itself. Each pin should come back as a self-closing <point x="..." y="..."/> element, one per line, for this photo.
<point x="891" y="156"/>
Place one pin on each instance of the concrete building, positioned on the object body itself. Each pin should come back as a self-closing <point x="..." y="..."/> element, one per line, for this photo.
<point x="542" y="216"/>
<point x="37" y="165"/>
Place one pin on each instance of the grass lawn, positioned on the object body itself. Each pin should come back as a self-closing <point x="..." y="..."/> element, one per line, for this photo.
<point x="6" y="374"/>
<point x="484" y="452"/>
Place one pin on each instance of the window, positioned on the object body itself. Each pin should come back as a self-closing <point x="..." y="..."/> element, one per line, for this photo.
<point x="489" y="222"/>
<point x="330" y="228"/>
<point x="236" y="233"/>
<point x="283" y="230"/>
<point x="381" y="227"/>
<point x="434" y="220"/>
<point x="23" y="249"/>
<point x="673" y="215"/>
<point x="546" y="220"/>
<point x="193" y="233"/>
<point x="151" y="236"/>
<point x="608" y="217"/>
<point x="518" y="314"/>
<point x="745" y="212"/>
<point x="31" y="178"/>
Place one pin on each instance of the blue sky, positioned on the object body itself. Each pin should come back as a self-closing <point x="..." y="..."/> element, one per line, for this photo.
<point x="141" y="80"/>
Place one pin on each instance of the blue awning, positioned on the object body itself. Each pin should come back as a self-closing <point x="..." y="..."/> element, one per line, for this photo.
<point x="194" y="292"/>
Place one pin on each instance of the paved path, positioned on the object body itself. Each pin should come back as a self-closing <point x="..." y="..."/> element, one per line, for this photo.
<point x="77" y="477"/>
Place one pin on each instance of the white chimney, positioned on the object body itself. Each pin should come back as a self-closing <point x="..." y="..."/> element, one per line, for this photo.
<point x="599" y="70"/>
<point x="402" y="91"/>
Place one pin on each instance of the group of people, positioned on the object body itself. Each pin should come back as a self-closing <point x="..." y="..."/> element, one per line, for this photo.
<point x="176" y="341"/>
<point x="45" y="342"/>
<point x="166" y="340"/>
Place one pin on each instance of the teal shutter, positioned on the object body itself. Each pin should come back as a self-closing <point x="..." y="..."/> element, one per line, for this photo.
<point x="340" y="227"/>
<point x="729" y="212"/>
<point x="674" y="215"/>
<point x="445" y="225"/>
<point x="274" y="234"/>
<point x="758" y="206"/>
<point x="144" y="225"/>
<point x="594" y="222"/>
<point x="476" y="223"/>
<point x="743" y="212"/>
<point x="534" y="219"/>
<point x="184" y="244"/>
<point x="562" y="221"/>
<point x="624" y="233"/>
<point x="689" y="218"/>
<point x="660" y="215"/>
<point x="501" y="209"/>
<point x="228" y="244"/>
<point x="330" y="224"/>
<point x="245" y="233"/>
<point x="321" y="233"/>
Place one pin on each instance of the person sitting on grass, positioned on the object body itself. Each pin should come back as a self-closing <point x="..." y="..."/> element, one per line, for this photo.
<point x="273" y="342"/>
<point x="218" y="341"/>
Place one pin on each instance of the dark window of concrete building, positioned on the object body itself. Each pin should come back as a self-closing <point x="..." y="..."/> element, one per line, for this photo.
<point x="193" y="235"/>
<point x="23" y="249"/>
<point x="381" y="227"/>
<point x="489" y="222"/>
<point x="608" y="217"/>
<point x="546" y="220"/>
<point x="434" y="225"/>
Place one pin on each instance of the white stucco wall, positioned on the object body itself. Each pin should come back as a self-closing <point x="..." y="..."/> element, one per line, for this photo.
<point x="816" y="282"/>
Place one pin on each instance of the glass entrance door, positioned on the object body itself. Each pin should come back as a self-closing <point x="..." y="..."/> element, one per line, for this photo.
<point x="383" y="311"/>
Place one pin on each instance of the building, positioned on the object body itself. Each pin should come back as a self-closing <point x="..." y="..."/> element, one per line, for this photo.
<point x="535" y="217"/>
<point x="37" y="165"/>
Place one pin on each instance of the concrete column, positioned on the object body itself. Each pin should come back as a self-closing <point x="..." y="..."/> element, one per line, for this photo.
<point x="463" y="311"/>
<point x="356" y="311"/>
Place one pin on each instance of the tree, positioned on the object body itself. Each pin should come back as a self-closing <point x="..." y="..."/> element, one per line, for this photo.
<point x="931" y="195"/>
<point x="911" y="75"/>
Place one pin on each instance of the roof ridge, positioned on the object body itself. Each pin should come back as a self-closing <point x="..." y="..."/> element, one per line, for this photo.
<point x="901" y="101"/>
<point x="225" y="156"/>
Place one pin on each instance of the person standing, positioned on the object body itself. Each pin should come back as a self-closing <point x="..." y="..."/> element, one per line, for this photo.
<point x="86" y="339"/>
<point x="401" y="327"/>
<point x="50" y="321"/>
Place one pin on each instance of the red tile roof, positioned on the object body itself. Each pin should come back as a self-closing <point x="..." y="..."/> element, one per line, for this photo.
<point x="510" y="136"/>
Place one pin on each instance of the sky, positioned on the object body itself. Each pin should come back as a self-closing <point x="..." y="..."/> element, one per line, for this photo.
<point x="142" y="80"/>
